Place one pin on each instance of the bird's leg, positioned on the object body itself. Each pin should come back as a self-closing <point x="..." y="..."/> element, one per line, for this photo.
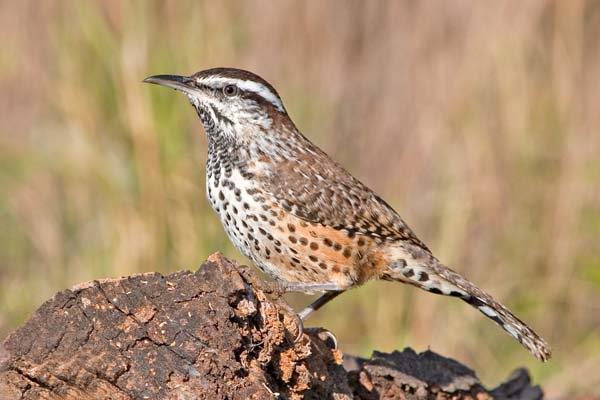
<point x="332" y="290"/>
<point x="309" y="288"/>
<point x="314" y="306"/>
<point x="318" y="303"/>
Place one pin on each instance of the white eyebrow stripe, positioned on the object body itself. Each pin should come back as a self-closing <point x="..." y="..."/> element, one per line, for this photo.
<point x="249" y="86"/>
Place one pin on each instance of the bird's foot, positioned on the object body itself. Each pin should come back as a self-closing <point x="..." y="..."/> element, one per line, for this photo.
<point x="325" y="335"/>
<point x="300" y="327"/>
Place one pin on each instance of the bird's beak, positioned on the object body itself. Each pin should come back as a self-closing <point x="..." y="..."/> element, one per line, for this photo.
<point x="181" y="83"/>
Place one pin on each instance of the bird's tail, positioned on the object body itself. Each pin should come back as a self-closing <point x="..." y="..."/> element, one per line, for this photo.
<point x="439" y="279"/>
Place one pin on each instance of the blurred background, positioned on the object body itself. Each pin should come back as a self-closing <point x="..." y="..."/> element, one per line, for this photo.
<point x="478" y="121"/>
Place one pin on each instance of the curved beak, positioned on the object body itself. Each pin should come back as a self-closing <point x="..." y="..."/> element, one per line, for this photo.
<point x="182" y="83"/>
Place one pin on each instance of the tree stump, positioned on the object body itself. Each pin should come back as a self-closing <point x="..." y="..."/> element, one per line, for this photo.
<point x="217" y="333"/>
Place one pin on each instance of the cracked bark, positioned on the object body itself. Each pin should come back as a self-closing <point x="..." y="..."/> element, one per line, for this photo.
<point x="218" y="333"/>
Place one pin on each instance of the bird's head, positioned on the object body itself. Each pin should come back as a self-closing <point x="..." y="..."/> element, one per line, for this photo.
<point x="229" y="101"/>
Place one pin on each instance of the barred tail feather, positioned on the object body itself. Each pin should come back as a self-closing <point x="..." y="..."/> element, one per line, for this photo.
<point x="439" y="279"/>
<point x="498" y="313"/>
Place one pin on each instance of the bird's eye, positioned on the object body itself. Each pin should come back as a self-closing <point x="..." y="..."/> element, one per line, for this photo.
<point x="230" y="90"/>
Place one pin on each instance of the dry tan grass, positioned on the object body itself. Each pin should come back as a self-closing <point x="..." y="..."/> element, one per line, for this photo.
<point x="478" y="121"/>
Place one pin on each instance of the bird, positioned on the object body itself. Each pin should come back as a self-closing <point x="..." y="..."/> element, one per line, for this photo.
<point x="302" y="218"/>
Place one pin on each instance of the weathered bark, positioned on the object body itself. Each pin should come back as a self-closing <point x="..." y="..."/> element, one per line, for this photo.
<point x="218" y="333"/>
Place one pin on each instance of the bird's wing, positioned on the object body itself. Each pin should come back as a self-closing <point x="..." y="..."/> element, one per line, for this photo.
<point x="318" y="190"/>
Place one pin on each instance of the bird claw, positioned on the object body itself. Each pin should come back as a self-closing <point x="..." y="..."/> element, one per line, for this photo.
<point x="325" y="336"/>
<point x="300" y="327"/>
